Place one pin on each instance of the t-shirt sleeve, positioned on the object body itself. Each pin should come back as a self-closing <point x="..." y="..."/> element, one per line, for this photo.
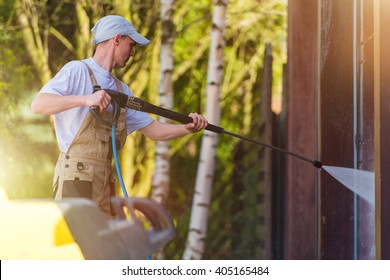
<point x="67" y="80"/>
<point x="136" y="120"/>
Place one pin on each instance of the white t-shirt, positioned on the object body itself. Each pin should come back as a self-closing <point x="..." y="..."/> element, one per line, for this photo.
<point x="74" y="79"/>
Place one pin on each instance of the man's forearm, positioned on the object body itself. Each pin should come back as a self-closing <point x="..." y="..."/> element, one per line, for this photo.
<point x="163" y="132"/>
<point x="50" y="104"/>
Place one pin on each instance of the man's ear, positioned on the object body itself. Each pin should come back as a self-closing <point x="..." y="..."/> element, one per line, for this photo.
<point x="117" y="39"/>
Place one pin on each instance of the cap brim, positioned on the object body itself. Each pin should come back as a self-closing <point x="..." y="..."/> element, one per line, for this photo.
<point x="139" y="39"/>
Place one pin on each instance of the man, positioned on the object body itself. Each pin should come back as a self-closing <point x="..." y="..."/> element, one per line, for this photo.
<point x="84" y="168"/>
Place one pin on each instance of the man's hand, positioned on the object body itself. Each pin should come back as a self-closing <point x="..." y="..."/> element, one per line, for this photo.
<point x="100" y="99"/>
<point x="198" y="123"/>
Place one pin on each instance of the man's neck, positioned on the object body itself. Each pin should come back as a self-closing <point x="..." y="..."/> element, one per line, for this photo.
<point x="104" y="57"/>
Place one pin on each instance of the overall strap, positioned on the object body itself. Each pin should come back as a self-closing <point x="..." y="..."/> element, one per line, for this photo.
<point x="95" y="84"/>
<point x="118" y="85"/>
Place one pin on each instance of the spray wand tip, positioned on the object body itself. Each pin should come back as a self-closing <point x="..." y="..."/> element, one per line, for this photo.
<point x="317" y="164"/>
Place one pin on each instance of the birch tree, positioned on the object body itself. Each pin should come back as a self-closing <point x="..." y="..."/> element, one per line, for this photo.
<point x="161" y="179"/>
<point x="205" y="173"/>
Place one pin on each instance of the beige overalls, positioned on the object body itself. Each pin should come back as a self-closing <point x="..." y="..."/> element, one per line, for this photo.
<point x="85" y="170"/>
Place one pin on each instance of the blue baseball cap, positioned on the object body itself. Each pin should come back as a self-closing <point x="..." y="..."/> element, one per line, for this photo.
<point x="107" y="27"/>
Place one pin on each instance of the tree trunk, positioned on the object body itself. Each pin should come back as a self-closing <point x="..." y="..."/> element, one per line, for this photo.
<point x="161" y="180"/>
<point x="35" y="45"/>
<point x="205" y="174"/>
<point x="83" y="31"/>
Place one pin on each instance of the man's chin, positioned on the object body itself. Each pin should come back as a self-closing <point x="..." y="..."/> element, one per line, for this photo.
<point x="122" y="65"/>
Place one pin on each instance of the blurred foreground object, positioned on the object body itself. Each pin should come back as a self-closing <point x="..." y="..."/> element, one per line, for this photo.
<point x="75" y="228"/>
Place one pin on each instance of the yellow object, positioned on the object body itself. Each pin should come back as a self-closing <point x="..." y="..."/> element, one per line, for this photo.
<point x="34" y="229"/>
<point x="75" y="228"/>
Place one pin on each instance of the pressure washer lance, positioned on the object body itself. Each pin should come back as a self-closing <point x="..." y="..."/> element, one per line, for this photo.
<point x="119" y="99"/>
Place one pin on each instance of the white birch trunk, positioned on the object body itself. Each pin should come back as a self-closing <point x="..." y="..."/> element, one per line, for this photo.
<point x="161" y="180"/>
<point x="205" y="174"/>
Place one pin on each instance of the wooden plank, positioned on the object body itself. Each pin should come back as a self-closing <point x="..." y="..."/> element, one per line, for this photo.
<point x="267" y="138"/>
<point x="279" y="175"/>
<point x="382" y="128"/>
<point x="337" y="137"/>
<point x="301" y="226"/>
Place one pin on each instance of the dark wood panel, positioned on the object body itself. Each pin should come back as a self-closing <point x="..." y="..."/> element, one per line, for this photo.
<point x="337" y="139"/>
<point x="383" y="205"/>
<point x="300" y="222"/>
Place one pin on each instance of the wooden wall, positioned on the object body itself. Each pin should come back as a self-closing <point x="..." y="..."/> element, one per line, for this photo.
<point x="338" y="64"/>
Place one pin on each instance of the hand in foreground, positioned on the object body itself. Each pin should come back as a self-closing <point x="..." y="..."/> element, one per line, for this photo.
<point x="198" y="123"/>
<point x="100" y="99"/>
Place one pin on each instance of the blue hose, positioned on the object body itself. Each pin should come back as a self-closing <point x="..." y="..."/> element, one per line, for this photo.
<point x="117" y="167"/>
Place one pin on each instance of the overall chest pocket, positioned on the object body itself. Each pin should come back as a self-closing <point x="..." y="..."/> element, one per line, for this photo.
<point x="102" y="133"/>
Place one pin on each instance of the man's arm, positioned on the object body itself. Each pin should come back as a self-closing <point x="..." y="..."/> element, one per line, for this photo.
<point x="49" y="104"/>
<point x="163" y="131"/>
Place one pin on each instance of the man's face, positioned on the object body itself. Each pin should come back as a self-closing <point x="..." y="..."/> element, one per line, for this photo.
<point x="125" y="50"/>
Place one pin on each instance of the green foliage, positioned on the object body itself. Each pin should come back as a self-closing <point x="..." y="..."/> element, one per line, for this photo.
<point x="15" y="75"/>
<point x="25" y="159"/>
<point x="7" y="7"/>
